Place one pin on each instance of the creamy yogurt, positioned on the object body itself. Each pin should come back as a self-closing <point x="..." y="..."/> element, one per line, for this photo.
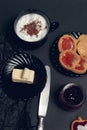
<point x="31" y="27"/>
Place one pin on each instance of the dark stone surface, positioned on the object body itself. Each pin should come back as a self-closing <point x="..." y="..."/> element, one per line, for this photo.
<point x="72" y="16"/>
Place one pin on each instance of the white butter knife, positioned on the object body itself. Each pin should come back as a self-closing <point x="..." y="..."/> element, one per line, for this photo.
<point x="44" y="99"/>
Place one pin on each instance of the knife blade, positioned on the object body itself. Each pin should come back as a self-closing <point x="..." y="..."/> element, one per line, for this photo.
<point x="44" y="99"/>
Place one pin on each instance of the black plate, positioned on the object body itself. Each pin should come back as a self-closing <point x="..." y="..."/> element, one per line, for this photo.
<point x="54" y="56"/>
<point x="21" y="90"/>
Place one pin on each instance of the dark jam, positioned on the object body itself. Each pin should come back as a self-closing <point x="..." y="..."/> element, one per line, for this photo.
<point x="73" y="95"/>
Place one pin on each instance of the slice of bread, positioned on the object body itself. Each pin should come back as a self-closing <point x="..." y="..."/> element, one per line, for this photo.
<point x="67" y="42"/>
<point x="68" y="59"/>
<point x="81" y="67"/>
<point x="82" y="48"/>
<point x="82" y="37"/>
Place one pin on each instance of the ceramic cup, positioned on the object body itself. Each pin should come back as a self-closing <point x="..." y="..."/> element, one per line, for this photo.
<point x="32" y="27"/>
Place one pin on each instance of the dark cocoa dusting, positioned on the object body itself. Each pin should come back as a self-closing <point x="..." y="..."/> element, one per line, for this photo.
<point x="33" y="28"/>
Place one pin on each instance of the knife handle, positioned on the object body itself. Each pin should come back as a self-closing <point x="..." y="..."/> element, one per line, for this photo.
<point x="40" y="126"/>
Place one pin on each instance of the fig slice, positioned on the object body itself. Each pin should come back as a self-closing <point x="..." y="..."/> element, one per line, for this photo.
<point x="68" y="59"/>
<point x="79" y="124"/>
<point x="67" y="42"/>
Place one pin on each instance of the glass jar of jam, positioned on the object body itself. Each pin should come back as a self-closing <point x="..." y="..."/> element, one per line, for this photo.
<point x="71" y="96"/>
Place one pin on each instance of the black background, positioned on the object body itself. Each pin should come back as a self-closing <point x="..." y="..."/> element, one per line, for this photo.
<point x="72" y="16"/>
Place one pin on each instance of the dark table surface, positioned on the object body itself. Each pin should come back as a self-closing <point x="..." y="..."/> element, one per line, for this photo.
<point x="72" y="16"/>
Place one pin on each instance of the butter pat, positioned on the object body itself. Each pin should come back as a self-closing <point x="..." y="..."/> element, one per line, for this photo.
<point x="23" y="75"/>
<point x="16" y="75"/>
<point x="28" y="75"/>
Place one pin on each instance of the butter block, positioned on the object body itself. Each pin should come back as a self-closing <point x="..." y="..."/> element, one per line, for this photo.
<point x="26" y="73"/>
<point x="16" y="75"/>
<point x="31" y="76"/>
<point x="23" y="75"/>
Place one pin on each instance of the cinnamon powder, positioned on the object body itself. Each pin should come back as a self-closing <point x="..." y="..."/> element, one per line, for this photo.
<point x="32" y="28"/>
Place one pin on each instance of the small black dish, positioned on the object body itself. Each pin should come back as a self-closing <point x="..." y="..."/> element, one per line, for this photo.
<point x="54" y="54"/>
<point x="21" y="60"/>
<point x="71" y="97"/>
<point x="50" y="26"/>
